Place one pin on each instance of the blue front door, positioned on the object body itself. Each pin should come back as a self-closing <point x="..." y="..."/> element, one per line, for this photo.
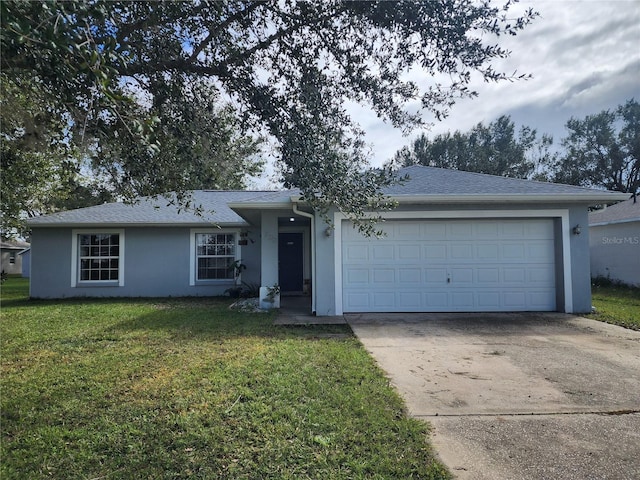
<point x="290" y="262"/>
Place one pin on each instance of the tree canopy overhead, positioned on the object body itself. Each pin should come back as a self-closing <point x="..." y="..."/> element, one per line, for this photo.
<point x="288" y="66"/>
<point x="494" y="149"/>
<point x="603" y="150"/>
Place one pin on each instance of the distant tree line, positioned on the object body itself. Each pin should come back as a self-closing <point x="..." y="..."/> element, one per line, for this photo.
<point x="600" y="150"/>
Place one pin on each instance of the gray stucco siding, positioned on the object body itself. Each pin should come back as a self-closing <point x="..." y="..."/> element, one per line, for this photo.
<point x="615" y="251"/>
<point x="580" y="271"/>
<point x="157" y="263"/>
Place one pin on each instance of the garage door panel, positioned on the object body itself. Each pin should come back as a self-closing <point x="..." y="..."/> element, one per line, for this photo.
<point x="459" y="230"/>
<point x="409" y="252"/>
<point x="488" y="275"/>
<point x="433" y="231"/>
<point x="355" y="276"/>
<point x="410" y="276"/>
<point x="408" y="230"/>
<point x="383" y="252"/>
<point x="542" y="275"/>
<point x="435" y="251"/>
<point x="513" y="251"/>
<point x="461" y="251"/>
<point x="516" y="300"/>
<point x="410" y="299"/>
<point x="489" y="301"/>
<point x="437" y="301"/>
<point x="542" y="298"/>
<point x="357" y="301"/>
<point x="384" y="300"/>
<point x="462" y="275"/>
<point x="356" y="253"/>
<point x="487" y="252"/>
<point x="384" y="275"/>
<point x="430" y="265"/>
<point x="435" y="276"/>
<point x="462" y="300"/>
<point x="539" y="251"/>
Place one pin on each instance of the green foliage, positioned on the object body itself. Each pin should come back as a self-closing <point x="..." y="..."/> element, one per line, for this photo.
<point x="603" y="150"/>
<point x="186" y="388"/>
<point x="616" y="303"/>
<point x="76" y="132"/>
<point x="290" y="67"/>
<point x="494" y="149"/>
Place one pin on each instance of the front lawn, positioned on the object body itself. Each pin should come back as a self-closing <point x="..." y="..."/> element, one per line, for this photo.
<point x="185" y="388"/>
<point x="616" y="304"/>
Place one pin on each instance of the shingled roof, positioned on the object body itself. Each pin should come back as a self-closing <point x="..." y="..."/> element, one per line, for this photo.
<point x="440" y="181"/>
<point x="425" y="185"/>
<point x="627" y="211"/>
<point x="150" y="211"/>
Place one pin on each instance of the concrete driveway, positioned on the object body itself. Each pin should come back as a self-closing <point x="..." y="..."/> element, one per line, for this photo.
<point x="516" y="396"/>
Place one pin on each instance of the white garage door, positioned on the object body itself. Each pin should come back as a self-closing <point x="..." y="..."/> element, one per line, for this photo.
<point x="450" y="266"/>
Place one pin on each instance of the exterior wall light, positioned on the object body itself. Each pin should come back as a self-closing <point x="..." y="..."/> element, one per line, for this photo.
<point x="577" y="230"/>
<point x="328" y="231"/>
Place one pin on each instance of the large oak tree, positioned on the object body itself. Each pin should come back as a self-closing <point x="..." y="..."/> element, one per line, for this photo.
<point x="494" y="149"/>
<point x="289" y="68"/>
<point x="603" y="150"/>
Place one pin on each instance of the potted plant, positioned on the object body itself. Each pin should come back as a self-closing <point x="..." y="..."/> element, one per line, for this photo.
<point x="270" y="297"/>
<point x="237" y="267"/>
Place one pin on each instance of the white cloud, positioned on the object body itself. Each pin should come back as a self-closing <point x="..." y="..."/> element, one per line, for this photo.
<point x="583" y="55"/>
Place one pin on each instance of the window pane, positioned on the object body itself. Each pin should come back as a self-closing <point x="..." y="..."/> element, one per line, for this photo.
<point x="99" y="257"/>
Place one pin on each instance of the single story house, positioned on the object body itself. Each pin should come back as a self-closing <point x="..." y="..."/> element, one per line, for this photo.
<point x="456" y="241"/>
<point x="10" y="258"/>
<point x="614" y="241"/>
<point x="25" y="255"/>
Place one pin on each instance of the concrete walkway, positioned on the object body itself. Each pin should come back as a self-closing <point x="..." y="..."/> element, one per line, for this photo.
<point x="296" y="310"/>
<point x="516" y="396"/>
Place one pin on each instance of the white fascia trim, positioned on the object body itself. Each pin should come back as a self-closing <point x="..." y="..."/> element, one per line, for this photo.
<point x="563" y="214"/>
<point x="457" y="198"/>
<point x="614" y="222"/>
<point x="606" y="197"/>
<point x="260" y="205"/>
<point x="192" y="248"/>
<point x="95" y="231"/>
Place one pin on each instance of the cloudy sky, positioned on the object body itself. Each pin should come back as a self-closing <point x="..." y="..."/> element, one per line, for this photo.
<point x="584" y="56"/>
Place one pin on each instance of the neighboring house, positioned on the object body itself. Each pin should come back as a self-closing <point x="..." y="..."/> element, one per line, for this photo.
<point x="614" y="240"/>
<point x="10" y="255"/>
<point x="457" y="241"/>
<point x="26" y="262"/>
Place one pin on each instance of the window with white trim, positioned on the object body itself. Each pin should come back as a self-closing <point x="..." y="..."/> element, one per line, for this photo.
<point x="99" y="257"/>
<point x="214" y="256"/>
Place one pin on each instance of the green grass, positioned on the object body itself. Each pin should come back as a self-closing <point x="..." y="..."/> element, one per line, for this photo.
<point x="616" y="304"/>
<point x="185" y="388"/>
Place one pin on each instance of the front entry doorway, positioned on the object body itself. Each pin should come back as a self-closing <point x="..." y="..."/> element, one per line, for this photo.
<point x="290" y="261"/>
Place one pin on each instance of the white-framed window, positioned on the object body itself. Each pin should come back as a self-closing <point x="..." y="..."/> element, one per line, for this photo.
<point x="212" y="255"/>
<point x="12" y="257"/>
<point x="97" y="257"/>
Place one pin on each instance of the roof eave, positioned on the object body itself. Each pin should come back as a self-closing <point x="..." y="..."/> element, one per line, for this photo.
<point x="590" y="198"/>
<point x="260" y="205"/>
<point x="137" y="224"/>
